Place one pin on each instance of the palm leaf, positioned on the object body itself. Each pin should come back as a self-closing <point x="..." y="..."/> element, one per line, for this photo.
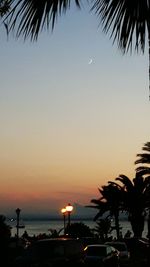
<point x="125" y="181"/>
<point x="115" y="184"/>
<point x="30" y="16"/>
<point x="128" y="21"/>
<point x="143" y="170"/>
<point x="146" y="146"/>
<point x="4" y="7"/>
<point x="103" y="207"/>
<point x="144" y="158"/>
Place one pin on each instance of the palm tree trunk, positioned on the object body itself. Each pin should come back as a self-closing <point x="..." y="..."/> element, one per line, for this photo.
<point x="117" y="224"/>
<point x="137" y="224"/>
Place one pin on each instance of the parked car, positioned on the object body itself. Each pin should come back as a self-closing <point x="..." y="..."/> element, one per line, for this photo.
<point x="101" y="255"/>
<point x="52" y="252"/>
<point x="124" y="254"/>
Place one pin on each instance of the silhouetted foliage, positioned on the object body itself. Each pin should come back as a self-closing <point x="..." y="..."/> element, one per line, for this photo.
<point x="103" y="228"/>
<point x="78" y="230"/>
<point x="130" y="196"/>
<point x="30" y="16"/>
<point x="144" y="160"/>
<point x="144" y="169"/>
<point x="5" y="232"/>
<point x="109" y="202"/>
<point x="128" y="21"/>
<point x="134" y="201"/>
<point x="4" y="7"/>
<point x="55" y="233"/>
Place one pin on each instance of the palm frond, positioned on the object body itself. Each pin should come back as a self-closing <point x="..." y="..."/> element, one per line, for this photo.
<point x="146" y="147"/>
<point x="102" y="207"/>
<point x="30" y="16"/>
<point x="143" y="170"/>
<point x="128" y="21"/>
<point x="139" y="183"/>
<point x="115" y="184"/>
<point x="144" y="158"/>
<point x="4" y="7"/>
<point x="125" y="181"/>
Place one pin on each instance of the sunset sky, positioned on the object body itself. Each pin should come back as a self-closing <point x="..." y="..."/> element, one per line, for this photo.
<point x="74" y="114"/>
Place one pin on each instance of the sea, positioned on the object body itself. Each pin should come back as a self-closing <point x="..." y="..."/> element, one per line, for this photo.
<point x="36" y="227"/>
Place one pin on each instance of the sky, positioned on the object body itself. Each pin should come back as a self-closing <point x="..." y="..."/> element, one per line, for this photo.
<point x="74" y="112"/>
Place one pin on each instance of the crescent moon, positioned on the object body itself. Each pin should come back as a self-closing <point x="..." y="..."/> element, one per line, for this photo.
<point x="90" y="61"/>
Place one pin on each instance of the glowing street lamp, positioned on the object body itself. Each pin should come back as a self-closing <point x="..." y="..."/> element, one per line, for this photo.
<point x="69" y="209"/>
<point x="63" y="211"/>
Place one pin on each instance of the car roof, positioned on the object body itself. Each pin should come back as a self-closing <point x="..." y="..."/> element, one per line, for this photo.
<point x="57" y="239"/>
<point x="98" y="245"/>
<point x="115" y="242"/>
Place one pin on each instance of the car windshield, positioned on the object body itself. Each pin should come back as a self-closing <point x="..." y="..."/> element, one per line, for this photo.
<point x="96" y="251"/>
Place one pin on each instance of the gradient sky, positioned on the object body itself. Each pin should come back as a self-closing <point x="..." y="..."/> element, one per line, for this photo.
<point x="67" y="126"/>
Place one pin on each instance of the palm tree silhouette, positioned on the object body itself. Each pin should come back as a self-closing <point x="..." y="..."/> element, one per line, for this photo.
<point x="144" y="160"/>
<point x="130" y="196"/>
<point x="103" y="228"/>
<point x="135" y="201"/>
<point x="109" y="202"/>
<point x="144" y="169"/>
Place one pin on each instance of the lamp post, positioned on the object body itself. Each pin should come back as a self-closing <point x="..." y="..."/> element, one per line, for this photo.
<point x="69" y="209"/>
<point x="18" y="219"/>
<point x="63" y="211"/>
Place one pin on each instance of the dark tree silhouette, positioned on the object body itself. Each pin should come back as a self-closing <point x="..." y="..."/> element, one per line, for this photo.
<point x="5" y="234"/>
<point x="144" y="169"/>
<point x="144" y="160"/>
<point x="103" y="228"/>
<point x="130" y="196"/>
<point x="79" y="230"/>
<point x="135" y="201"/>
<point x="109" y="202"/>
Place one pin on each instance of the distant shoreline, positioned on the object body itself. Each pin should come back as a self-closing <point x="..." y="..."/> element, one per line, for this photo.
<point x="25" y="218"/>
<point x="54" y="218"/>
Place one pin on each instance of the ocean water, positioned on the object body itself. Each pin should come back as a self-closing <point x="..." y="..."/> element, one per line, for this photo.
<point x="36" y="227"/>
